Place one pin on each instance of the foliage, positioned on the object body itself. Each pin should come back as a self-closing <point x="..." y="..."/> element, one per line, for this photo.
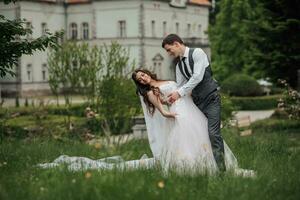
<point x="270" y="125"/>
<point x="241" y="85"/>
<point x="272" y="35"/>
<point x="118" y="103"/>
<point x="116" y="99"/>
<point x="255" y="103"/>
<point x="73" y="68"/>
<point x="290" y="103"/>
<point x="226" y="36"/>
<point x="258" y="37"/>
<point x="102" y="76"/>
<point x="13" y="39"/>
<point x="227" y="107"/>
<point x="41" y="124"/>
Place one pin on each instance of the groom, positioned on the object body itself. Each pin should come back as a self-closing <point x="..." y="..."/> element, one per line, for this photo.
<point x="194" y="75"/>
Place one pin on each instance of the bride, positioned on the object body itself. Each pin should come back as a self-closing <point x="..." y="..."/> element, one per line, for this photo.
<point x="177" y="133"/>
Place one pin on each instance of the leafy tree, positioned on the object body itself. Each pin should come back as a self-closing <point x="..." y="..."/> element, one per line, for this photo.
<point x="117" y="100"/>
<point x="257" y="37"/>
<point x="226" y="36"/>
<point x="73" y="68"/>
<point x="102" y="76"/>
<point x="14" y="44"/>
<point x="273" y="38"/>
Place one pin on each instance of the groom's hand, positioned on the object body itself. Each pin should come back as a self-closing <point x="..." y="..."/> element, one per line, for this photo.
<point x="173" y="97"/>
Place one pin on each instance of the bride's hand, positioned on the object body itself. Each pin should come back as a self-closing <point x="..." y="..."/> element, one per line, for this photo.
<point x="170" y="115"/>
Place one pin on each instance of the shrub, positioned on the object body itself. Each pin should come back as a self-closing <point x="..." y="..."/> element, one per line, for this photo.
<point x="227" y="107"/>
<point x="117" y="104"/>
<point x="241" y="85"/>
<point x="290" y="102"/>
<point x="255" y="103"/>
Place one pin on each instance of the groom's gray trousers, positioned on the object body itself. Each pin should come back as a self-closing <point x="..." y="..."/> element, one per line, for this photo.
<point x="211" y="107"/>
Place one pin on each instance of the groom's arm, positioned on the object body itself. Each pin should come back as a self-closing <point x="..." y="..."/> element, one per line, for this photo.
<point x="200" y="63"/>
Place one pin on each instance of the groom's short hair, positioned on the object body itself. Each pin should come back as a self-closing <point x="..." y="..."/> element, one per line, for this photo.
<point x="170" y="39"/>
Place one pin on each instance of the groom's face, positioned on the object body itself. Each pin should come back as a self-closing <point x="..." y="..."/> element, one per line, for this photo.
<point x="173" y="50"/>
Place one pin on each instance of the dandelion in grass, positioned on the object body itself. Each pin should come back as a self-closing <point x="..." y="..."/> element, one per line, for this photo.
<point x="88" y="175"/>
<point x="161" y="184"/>
<point x="97" y="145"/>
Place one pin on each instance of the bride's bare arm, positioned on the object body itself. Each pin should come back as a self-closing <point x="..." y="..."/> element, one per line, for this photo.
<point x="155" y="100"/>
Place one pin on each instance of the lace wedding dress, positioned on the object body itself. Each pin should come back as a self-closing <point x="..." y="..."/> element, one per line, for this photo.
<point x="181" y="144"/>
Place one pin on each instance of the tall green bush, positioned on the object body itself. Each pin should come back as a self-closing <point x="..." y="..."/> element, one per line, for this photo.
<point x="255" y="103"/>
<point x="241" y="85"/>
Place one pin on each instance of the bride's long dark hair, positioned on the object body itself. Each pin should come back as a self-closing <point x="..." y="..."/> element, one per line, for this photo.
<point x="144" y="89"/>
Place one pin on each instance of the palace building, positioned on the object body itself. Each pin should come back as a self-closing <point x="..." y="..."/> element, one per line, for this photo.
<point x="138" y="25"/>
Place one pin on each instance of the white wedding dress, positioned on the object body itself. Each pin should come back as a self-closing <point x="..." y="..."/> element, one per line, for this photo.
<point x="181" y="144"/>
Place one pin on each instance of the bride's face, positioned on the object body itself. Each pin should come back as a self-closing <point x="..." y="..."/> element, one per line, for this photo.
<point x="143" y="78"/>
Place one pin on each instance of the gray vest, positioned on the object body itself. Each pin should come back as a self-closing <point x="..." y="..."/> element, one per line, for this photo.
<point x="207" y="86"/>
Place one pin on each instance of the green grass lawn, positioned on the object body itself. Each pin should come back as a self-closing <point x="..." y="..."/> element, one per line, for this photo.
<point x="272" y="152"/>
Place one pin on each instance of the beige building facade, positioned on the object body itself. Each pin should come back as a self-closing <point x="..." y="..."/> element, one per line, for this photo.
<point x="138" y="25"/>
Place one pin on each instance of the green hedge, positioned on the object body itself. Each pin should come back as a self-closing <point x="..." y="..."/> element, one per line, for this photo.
<point x="273" y="125"/>
<point x="74" y="110"/>
<point x="255" y="103"/>
<point x="241" y="85"/>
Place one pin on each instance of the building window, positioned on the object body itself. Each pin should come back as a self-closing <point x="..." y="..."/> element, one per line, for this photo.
<point x="29" y="26"/>
<point x="85" y="30"/>
<point x="157" y="63"/>
<point x="200" y="31"/>
<point x="29" y="72"/>
<point x="44" y="72"/>
<point x="188" y="33"/>
<point x="44" y="28"/>
<point x="177" y="28"/>
<point x="153" y="28"/>
<point x="164" y="28"/>
<point x="74" y="32"/>
<point x="122" y="28"/>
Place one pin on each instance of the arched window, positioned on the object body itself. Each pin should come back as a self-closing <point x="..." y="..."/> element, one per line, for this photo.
<point x="74" y="32"/>
<point x="85" y="30"/>
<point x="153" y="28"/>
<point x="157" y="63"/>
<point x="164" y="28"/>
<point x="29" y="72"/>
<point x="122" y="28"/>
<point x="44" y="72"/>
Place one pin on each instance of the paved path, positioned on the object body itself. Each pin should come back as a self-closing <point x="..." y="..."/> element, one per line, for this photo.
<point x="48" y="100"/>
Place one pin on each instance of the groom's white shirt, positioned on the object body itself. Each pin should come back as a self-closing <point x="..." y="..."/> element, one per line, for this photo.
<point x="200" y="63"/>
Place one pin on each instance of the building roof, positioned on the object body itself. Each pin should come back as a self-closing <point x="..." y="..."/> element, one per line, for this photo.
<point x="200" y="2"/>
<point x="195" y="2"/>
